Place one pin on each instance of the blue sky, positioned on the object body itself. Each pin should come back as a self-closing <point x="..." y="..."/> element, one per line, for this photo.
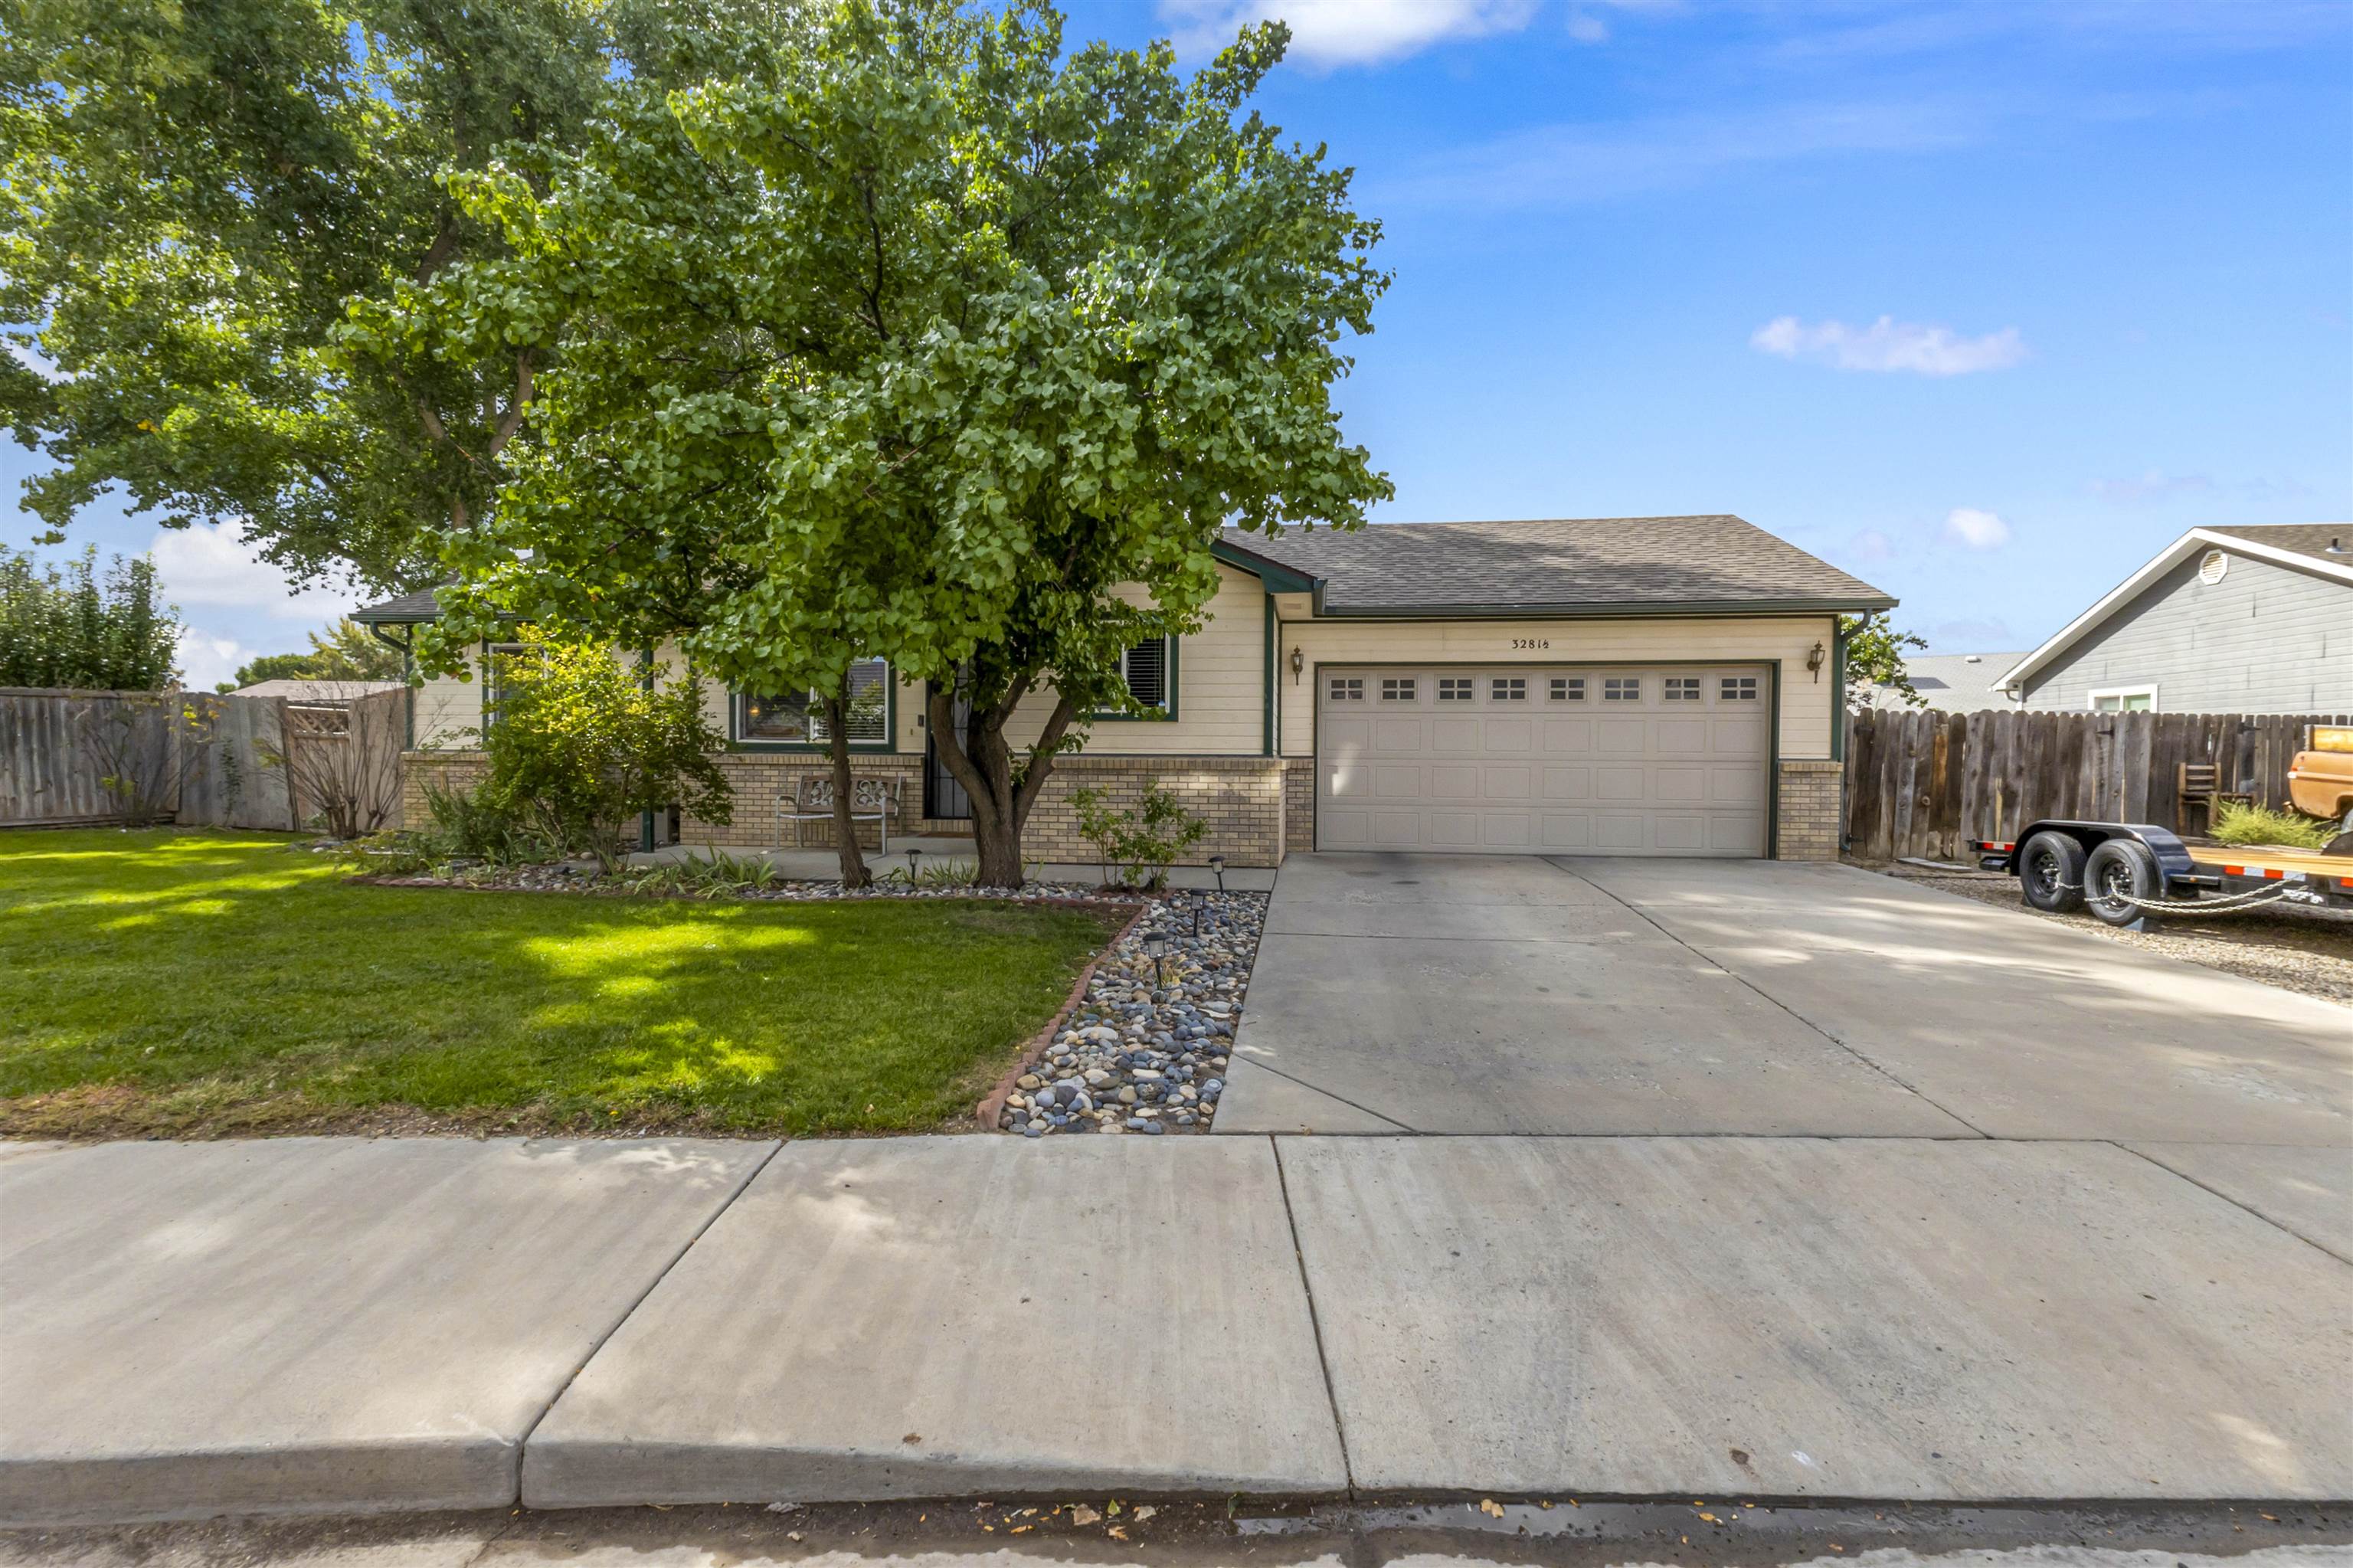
<point x="1983" y="303"/>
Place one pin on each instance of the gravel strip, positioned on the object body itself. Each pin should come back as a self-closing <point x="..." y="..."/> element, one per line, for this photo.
<point x="2306" y="950"/>
<point x="581" y="877"/>
<point x="1138" y="1055"/>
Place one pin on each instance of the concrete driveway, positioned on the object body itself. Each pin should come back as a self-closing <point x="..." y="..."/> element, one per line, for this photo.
<point x="1474" y="994"/>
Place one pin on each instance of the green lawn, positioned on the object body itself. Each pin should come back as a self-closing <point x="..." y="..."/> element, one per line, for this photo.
<point x="204" y="983"/>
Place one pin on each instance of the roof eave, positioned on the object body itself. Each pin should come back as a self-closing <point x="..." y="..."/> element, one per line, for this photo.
<point x="1618" y="611"/>
<point x="1276" y="577"/>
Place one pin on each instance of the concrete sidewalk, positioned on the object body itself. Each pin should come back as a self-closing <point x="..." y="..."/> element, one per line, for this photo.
<point x="314" y="1325"/>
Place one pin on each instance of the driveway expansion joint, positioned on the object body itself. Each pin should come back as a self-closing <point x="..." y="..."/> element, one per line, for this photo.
<point x="1315" y="1320"/>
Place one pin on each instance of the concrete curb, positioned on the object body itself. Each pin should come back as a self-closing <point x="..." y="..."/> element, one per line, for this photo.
<point x="992" y="1104"/>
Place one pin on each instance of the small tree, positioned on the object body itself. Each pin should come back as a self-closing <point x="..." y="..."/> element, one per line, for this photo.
<point x="1142" y="843"/>
<point x="581" y="744"/>
<point x="344" y="651"/>
<point x="77" y="626"/>
<point x="1874" y="657"/>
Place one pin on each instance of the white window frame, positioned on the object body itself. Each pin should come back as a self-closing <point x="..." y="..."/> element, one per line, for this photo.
<point x="1683" y="689"/>
<point x="2092" y="698"/>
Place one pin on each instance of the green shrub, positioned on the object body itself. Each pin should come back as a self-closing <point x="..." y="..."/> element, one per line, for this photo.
<point x="1142" y="843"/>
<point x="582" y="743"/>
<point x="82" y="628"/>
<point x="2236" y="824"/>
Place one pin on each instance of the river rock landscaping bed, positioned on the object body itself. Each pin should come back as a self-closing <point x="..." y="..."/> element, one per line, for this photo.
<point x="1138" y="1055"/>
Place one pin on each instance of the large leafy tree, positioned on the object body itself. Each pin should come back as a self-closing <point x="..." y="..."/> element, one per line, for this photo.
<point x="913" y="338"/>
<point x="194" y="197"/>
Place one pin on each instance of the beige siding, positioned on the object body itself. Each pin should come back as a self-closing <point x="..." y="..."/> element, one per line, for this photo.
<point x="1805" y="700"/>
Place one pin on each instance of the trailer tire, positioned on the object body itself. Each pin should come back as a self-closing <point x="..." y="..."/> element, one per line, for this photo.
<point x="2121" y="865"/>
<point x="2051" y="872"/>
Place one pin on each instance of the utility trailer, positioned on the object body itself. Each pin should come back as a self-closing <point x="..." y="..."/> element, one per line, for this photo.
<point x="2132" y="874"/>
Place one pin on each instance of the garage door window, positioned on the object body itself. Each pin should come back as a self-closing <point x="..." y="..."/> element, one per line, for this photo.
<point x="1347" y="688"/>
<point x="1621" y="689"/>
<point x="1509" y="689"/>
<point x="1739" y="689"/>
<point x="1568" y="688"/>
<point x="1455" y="688"/>
<point x="1397" y="688"/>
<point x="1682" y="688"/>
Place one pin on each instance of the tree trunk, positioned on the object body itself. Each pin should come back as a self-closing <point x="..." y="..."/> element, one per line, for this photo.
<point x="983" y="764"/>
<point x="845" y="831"/>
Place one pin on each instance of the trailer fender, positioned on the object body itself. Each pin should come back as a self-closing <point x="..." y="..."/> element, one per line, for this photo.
<point x="2171" y="854"/>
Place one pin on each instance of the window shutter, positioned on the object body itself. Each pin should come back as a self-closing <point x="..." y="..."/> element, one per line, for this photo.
<point x="1146" y="667"/>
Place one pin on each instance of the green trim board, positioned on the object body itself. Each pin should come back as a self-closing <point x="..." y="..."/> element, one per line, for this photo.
<point x="1838" y="689"/>
<point x="1267" y="685"/>
<point x="1274" y="575"/>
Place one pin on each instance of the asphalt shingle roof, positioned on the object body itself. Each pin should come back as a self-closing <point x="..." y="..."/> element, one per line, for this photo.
<point x="1590" y="563"/>
<point x="2304" y="538"/>
<point x="422" y="605"/>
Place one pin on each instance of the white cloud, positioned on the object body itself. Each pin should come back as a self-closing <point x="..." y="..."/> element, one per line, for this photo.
<point x="207" y="661"/>
<point x="1568" y="163"/>
<point x="211" y="568"/>
<point x="1588" y="29"/>
<point x="1871" y="547"/>
<point x="2156" y="485"/>
<point x="1976" y="530"/>
<point x="1888" y="344"/>
<point x="1345" y="32"/>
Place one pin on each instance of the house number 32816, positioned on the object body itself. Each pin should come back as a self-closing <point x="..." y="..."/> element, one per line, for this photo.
<point x="1531" y="643"/>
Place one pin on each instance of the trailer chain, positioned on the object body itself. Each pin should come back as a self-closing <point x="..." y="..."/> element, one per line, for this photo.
<point x="2229" y="904"/>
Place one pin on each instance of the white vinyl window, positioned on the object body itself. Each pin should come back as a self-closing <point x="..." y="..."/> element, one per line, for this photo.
<point x="1397" y="688"/>
<point x="1568" y="688"/>
<point x="1738" y="689"/>
<point x="1508" y="689"/>
<point x="1347" y="688"/>
<point x="2124" y="699"/>
<point x="1682" y="688"/>
<point x="1456" y="688"/>
<point x="1621" y="688"/>
<point x="797" y="718"/>
<point x="1144" y="668"/>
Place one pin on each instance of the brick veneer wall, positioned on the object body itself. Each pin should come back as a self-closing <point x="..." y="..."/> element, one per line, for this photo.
<point x="1809" y="822"/>
<point x="1240" y="798"/>
<point x="1299" y="806"/>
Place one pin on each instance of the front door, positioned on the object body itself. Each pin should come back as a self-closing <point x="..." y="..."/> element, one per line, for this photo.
<point x="945" y="799"/>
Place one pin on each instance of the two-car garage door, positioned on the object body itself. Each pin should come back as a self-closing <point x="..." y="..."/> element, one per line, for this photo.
<point x="1522" y="759"/>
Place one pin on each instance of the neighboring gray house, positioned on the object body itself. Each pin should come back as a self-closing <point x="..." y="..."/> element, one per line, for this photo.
<point x="2253" y="619"/>
<point x="1950" y="683"/>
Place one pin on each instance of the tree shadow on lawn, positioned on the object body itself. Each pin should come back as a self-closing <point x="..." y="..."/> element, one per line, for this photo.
<point x="248" y="996"/>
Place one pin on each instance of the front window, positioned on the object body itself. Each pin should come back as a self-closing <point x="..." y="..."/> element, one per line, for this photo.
<point x="494" y="678"/>
<point x="2137" y="700"/>
<point x="797" y="718"/>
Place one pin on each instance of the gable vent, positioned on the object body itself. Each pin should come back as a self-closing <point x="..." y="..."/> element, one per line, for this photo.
<point x="2210" y="569"/>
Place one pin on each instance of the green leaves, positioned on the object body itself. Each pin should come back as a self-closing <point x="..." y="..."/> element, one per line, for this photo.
<point x="81" y="627"/>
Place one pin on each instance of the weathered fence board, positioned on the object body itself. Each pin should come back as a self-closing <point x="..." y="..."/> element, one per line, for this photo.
<point x="192" y="757"/>
<point x="1927" y="784"/>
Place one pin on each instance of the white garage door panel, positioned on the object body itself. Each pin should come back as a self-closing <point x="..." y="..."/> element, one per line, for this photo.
<point x="1601" y="761"/>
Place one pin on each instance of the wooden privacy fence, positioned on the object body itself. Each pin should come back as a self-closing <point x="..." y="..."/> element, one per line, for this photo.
<point x="1927" y="784"/>
<point x="68" y="756"/>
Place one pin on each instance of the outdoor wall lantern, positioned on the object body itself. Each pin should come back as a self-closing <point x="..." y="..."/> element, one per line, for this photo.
<point x="1814" y="657"/>
<point x="1298" y="663"/>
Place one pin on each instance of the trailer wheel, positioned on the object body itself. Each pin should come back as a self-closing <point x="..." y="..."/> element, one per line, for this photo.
<point x="2118" y="868"/>
<point x="2051" y="872"/>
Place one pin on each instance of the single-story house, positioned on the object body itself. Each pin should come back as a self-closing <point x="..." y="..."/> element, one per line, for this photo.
<point x="2254" y="619"/>
<point x="1948" y="682"/>
<point x="1620" y="685"/>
